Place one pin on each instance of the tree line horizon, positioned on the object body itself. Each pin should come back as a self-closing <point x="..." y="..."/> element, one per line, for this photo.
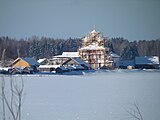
<point x="46" y="47"/>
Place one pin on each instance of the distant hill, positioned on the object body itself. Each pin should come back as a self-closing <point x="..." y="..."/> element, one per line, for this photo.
<point x="48" y="47"/>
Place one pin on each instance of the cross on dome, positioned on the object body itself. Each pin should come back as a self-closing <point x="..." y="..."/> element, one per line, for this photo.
<point x="94" y="29"/>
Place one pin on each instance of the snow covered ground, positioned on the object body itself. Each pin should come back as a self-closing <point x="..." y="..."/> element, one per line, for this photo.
<point x="93" y="96"/>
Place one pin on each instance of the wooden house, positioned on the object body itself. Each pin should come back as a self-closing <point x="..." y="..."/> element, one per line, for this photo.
<point x="25" y="62"/>
<point x="72" y="64"/>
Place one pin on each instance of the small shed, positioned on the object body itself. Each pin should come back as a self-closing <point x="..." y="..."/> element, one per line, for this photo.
<point x="25" y="62"/>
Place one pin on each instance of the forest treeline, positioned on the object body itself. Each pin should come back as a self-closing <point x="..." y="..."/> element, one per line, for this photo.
<point x="47" y="47"/>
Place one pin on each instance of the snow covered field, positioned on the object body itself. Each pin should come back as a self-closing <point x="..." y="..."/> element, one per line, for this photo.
<point x="93" y="96"/>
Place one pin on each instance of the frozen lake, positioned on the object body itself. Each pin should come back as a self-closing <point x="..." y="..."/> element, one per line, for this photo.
<point x="94" y="96"/>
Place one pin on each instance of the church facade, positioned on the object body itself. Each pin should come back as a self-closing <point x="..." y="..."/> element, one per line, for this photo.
<point x="93" y="51"/>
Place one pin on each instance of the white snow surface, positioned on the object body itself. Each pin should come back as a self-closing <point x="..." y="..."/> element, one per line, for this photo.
<point x="93" y="96"/>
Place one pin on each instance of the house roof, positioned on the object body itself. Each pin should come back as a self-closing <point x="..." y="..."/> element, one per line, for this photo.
<point x="30" y="61"/>
<point x="41" y="60"/>
<point x="81" y="62"/>
<point x="147" y="60"/>
<point x="114" y="55"/>
<point x="68" y="54"/>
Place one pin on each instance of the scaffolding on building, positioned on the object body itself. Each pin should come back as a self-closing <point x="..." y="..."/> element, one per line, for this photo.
<point x="93" y="51"/>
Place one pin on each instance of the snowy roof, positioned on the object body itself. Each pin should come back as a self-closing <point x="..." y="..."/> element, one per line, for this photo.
<point x="94" y="31"/>
<point x="114" y="55"/>
<point x="41" y="60"/>
<point x="147" y="60"/>
<point x="30" y="61"/>
<point x="68" y="54"/>
<point x="79" y="61"/>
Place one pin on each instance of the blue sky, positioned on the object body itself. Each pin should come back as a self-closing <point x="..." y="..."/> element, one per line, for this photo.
<point x="131" y="19"/>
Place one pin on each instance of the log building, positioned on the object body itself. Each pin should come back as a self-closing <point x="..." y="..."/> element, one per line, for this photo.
<point x="93" y="51"/>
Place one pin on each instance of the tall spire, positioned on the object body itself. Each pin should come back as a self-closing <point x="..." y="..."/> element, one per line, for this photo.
<point x="94" y="27"/>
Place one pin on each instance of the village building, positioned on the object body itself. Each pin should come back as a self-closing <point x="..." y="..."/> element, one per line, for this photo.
<point x="141" y="62"/>
<point x="93" y="51"/>
<point x="53" y="63"/>
<point x="25" y="64"/>
<point x="115" y="58"/>
<point x="60" y="59"/>
<point x="72" y="64"/>
<point x="46" y="65"/>
<point x="147" y="62"/>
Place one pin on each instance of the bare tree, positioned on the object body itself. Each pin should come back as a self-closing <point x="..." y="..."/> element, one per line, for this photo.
<point x="3" y="85"/>
<point x="2" y="97"/>
<point x="3" y="58"/>
<point x="12" y="97"/>
<point x="134" y="112"/>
